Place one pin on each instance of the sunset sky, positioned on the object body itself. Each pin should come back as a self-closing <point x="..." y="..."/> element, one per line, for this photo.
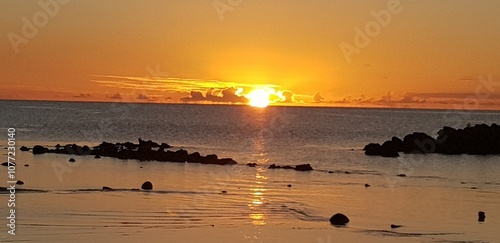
<point x="318" y="52"/>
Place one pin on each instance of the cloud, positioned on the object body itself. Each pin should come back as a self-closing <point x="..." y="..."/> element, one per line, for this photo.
<point x="482" y="95"/>
<point x="317" y="98"/>
<point x="228" y="95"/>
<point x="387" y="97"/>
<point x="170" y="84"/>
<point x="116" y="96"/>
<point x="288" y="96"/>
<point x="142" y="97"/>
<point x="197" y="90"/>
<point x="410" y="98"/>
<point x="82" y="96"/>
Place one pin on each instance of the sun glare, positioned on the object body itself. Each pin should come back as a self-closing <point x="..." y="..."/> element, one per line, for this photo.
<point x="259" y="97"/>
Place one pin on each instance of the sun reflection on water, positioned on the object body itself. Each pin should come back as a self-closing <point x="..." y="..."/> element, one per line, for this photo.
<point x="257" y="194"/>
<point x="258" y="199"/>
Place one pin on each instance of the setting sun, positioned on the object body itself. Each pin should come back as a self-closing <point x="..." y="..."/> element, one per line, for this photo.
<point x="259" y="97"/>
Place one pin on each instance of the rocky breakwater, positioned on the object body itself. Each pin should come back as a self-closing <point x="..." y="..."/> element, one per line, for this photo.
<point x="143" y="151"/>
<point x="480" y="139"/>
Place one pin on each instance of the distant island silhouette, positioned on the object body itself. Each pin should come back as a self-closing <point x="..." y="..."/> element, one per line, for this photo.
<point x="479" y="139"/>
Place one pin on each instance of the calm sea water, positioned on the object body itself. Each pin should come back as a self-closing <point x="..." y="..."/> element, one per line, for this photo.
<point x="438" y="201"/>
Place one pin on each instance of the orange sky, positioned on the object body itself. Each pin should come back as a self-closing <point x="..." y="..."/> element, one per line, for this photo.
<point x="400" y="53"/>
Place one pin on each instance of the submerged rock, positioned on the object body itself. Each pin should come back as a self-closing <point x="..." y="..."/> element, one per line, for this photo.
<point x="339" y="219"/>
<point x="304" y="167"/>
<point x="273" y="166"/>
<point x="24" y="148"/>
<point x="147" y="186"/>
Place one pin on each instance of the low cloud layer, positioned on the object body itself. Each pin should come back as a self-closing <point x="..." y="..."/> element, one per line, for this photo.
<point x="228" y="95"/>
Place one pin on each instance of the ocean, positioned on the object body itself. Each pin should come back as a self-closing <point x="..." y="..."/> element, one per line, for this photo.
<point x="437" y="201"/>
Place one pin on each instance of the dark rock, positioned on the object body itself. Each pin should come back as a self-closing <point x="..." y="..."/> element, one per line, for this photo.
<point x="7" y="164"/>
<point x="373" y="149"/>
<point x="330" y="172"/>
<point x="273" y="166"/>
<point x="19" y="182"/>
<point x="419" y="143"/>
<point x="226" y="161"/>
<point x="39" y="149"/>
<point x="26" y="165"/>
<point x="144" y="151"/>
<point x="367" y="185"/>
<point x="211" y="157"/>
<point x="395" y="226"/>
<point x="304" y="167"/>
<point x="347" y="172"/>
<point x="479" y="139"/>
<point x="24" y="148"/>
<point x="397" y="144"/>
<point x="289" y="185"/>
<point x="164" y="146"/>
<point x="106" y="188"/>
<point x="339" y="219"/>
<point x="387" y="149"/>
<point x="71" y="160"/>
<point x="149" y="144"/>
<point x="224" y="192"/>
<point x="147" y="186"/>
<point x="251" y="164"/>
<point x="194" y="158"/>
<point x="402" y="175"/>
<point x="97" y="156"/>
<point x="481" y="216"/>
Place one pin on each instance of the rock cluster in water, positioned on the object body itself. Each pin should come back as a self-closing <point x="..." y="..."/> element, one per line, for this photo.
<point x="303" y="167"/>
<point x="144" y="151"/>
<point x="479" y="139"/>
